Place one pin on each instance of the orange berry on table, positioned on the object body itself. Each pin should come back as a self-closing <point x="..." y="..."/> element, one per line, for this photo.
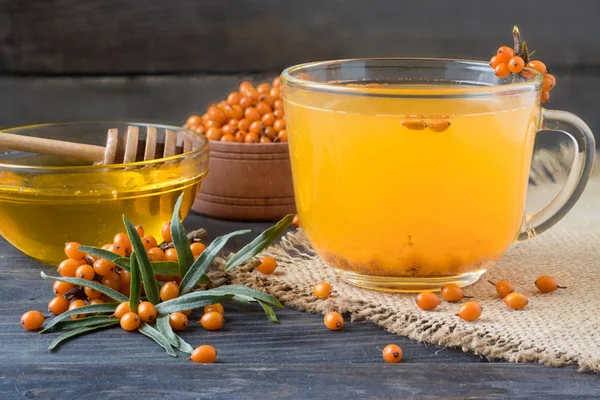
<point x="32" y="320"/>
<point x="72" y="251"/>
<point x="505" y="53"/>
<point x="549" y="82"/>
<point x="494" y="61"/>
<point x="76" y="304"/>
<point x="117" y="249"/>
<point x="240" y="137"/>
<point x="214" y="133"/>
<point x="516" y="64"/>
<point x="282" y="136"/>
<point x="68" y="267"/>
<point x="246" y="102"/>
<point x="178" y="321"/>
<point x="204" y="354"/>
<point x="149" y="242"/>
<point x="279" y="125"/>
<point x="58" y="305"/>
<point x="112" y="280"/>
<point x="171" y="255"/>
<point x="251" y="138"/>
<point x="168" y="291"/>
<point x="452" y="293"/>
<point x="212" y="321"/>
<point x="427" y="301"/>
<point x="85" y="272"/>
<point x="104" y="267"/>
<point x="333" y="320"/>
<point x="538" y="66"/>
<point x="194" y="120"/>
<point x="60" y="288"/>
<point x="156" y="254"/>
<point x="122" y="309"/>
<point x="130" y="321"/>
<point x="502" y="70"/>
<point x="504" y="288"/>
<point x="278" y="114"/>
<point x="270" y="132"/>
<point x="547" y="284"/>
<point x="267" y="265"/>
<point x="256" y="127"/>
<point x="147" y="311"/>
<point x="265" y="139"/>
<point x="244" y="125"/>
<point x="545" y="97"/>
<point x="96" y="301"/>
<point x="268" y="119"/>
<point x="392" y="353"/>
<point x="322" y="290"/>
<point x="234" y="98"/>
<point x="469" y="311"/>
<point x="214" y="308"/>
<point x="516" y="301"/>
<point x="140" y="230"/>
<point x="92" y="293"/>
<point x="251" y="114"/>
<point x="197" y="248"/>
<point x="122" y="240"/>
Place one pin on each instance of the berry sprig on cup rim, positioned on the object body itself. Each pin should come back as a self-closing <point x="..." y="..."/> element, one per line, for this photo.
<point x="514" y="59"/>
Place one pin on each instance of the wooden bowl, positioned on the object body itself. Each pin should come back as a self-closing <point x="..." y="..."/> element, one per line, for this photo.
<point x="247" y="182"/>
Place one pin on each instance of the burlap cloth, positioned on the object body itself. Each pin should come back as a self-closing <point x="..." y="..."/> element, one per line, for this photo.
<point x="556" y="329"/>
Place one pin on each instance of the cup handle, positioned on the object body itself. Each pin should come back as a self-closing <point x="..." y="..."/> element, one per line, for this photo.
<point x="581" y="135"/>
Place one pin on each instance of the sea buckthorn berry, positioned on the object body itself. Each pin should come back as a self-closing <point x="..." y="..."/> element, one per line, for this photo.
<point x="278" y="114"/>
<point x="504" y="288"/>
<point x="104" y="267"/>
<point x="333" y="320"/>
<point x="545" y="97"/>
<point x="469" y="311"/>
<point x="505" y="53"/>
<point x="156" y="254"/>
<point x="92" y="293"/>
<point x="130" y="321"/>
<point x="178" y="321"/>
<point x="452" y="293"/>
<point x="58" y="305"/>
<point x="68" y="267"/>
<point x="123" y="241"/>
<point x="32" y="320"/>
<point x="216" y="114"/>
<point x="245" y="86"/>
<point x="212" y="321"/>
<point x="266" y="98"/>
<point x="251" y="114"/>
<point x="168" y="291"/>
<point x="279" y="125"/>
<point x="244" y="125"/>
<point x="122" y="309"/>
<point x="246" y="101"/>
<point x="494" y="61"/>
<point x="322" y="290"/>
<point x="278" y="105"/>
<point x="263" y="108"/>
<point x="538" y="66"/>
<point x="72" y="251"/>
<point x="140" y="230"/>
<point x="516" y="301"/>
<point x="275" y="93"/>
<point x="256" y="127"/>
<point x="276" y="82"/>
<point x="240" y="137"/>
<point x="234" y="98"/>
<point x="263" y="88"/>
<point x="149" y="242"/>
<point x="228" y="130"/>
<point x="125" y="277"/>
<point x="212" y="124"/>
<point x="197" y="249"/>
<point x="549" y="82"/>
<point x="96" y="301"/>
<point x="204" y="354"/>
<point x="200" y="130"/>
<point x="238" y="112"/>
<point x="171" y="255"/>
<point x="414" y="124"/>
<point x="392" y="353"/>
<point x="547" y="284"/>
<point x="85" y="272"/>
<point x="147" y="311"/>
<point x="502" y="70"/>
<point x="217" y="307"/>
<point x="516" y="64"/>
<point x="267" y="265"/>
<point x="186" y="312"/>
<point x="117" y="249"/>
<point x="251" y="138"/>
<point x="193" y="120"/>
<point x="234" y="123"/>
<point x="427" y="301"/>
<point x="265" y="139"/>
<point x="76" y="304"/>
<point x="205" y="118"/>
<point x="214" y="134"/>
<point x="270" y="132"/>
<point x="282" y="136"/>
<point x="125" y="290"/>
<point x="438" y="125"/>
<point x="60" y="288"/>
<point x="113" y="281"/>
<point x="268" y="119"/>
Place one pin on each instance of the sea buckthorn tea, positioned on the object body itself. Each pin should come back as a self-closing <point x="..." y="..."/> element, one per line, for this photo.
<point x="407" y="180"/>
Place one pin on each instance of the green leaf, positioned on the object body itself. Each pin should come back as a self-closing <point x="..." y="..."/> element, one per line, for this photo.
<point x="180" y="239"/>
<point x="68" y="324"/>
<point x="246" y="292"/>
<point x="91" y="309"/>
<point x="259" y="243"/>
<point x="121" y="261"/>
<point x="166" y="268"/>
<point x="269" y="311"/>
<point x="143" y="262"/>
<point x="80" y="331"/>
<point x="158" y="337"/>
<point x="200" y="266"/>
<point x="191" y="301"/>
<point x="163" y="325"/>
<point x="92" y="284"/>
<point x="135" y="284"/>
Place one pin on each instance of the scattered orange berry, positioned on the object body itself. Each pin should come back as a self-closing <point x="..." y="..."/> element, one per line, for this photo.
<point x="469" y="311"/>
<point x="122" y="309"/>
<point x="322" y="290"/>
<point x="178" y="321"/>
<point x="72" y="251"/>
<point x="76" y="304"/>
<point x="212" y="321"/>
<point x="85" y="272"/>
<point x="547" y="284"/>
<point x="168" y="291"/>
<point x="504" y="288"/>
<point x="68" y="268"/>
<point x="32" y="320"/>
<point x="516" y="301"/>
<point x="267" y="265"/>
<point x="427" y="301"/>
<point x="104" y="267"/>
<point x="204" y="354"/>
<point x="452" y="293"/>
<point x="58" y="305"/>
<point x="197" y="249"/>
<point x="392" y="353"/>
<point x="60" y="288"/>
<point x="334" y="321"/>
<point x="147" y="311"/>
<point x="214" y="308"/>
<point x="130" y="321"/>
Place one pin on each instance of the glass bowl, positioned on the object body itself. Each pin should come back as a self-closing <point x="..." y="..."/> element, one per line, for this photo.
<point x="46" y="201"/>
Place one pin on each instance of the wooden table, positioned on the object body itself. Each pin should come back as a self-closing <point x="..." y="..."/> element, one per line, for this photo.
<point x="295" y="359"/>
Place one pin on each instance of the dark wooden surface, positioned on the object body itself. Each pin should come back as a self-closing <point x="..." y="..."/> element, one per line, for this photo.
<point x="156" y="36"/>
<point x="295" y="359"/>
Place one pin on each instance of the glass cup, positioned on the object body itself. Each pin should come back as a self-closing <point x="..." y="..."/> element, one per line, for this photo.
<point x="412" y="173"/>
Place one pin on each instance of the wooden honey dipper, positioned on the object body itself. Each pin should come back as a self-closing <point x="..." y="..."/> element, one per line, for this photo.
<point x="124" y="149"/>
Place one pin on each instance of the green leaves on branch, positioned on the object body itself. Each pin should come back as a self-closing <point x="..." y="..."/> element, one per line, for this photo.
<point x="80" y="331"/>
<point x="113" y="294"/>
<point x="147" y="274"/>
<point x="158" y="337"/>
<point x="91" y="309"/>
<point x="180" y="239"/>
